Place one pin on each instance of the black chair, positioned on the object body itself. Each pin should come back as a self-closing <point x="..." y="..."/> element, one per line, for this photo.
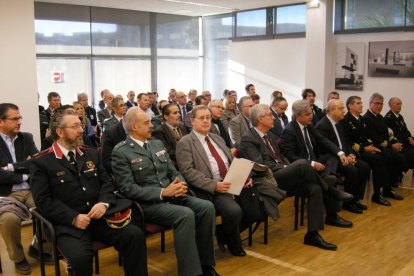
<point x="299" y="206"/>
<point x="252" y="229"/>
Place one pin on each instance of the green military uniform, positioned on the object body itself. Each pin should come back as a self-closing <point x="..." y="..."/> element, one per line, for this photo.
<point x="109" y="122"/>
<point x="140" y="175"/>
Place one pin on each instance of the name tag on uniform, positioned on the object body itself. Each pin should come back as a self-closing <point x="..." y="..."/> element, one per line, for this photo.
<point x="160" y="153"/>
<point x="136" y="160"/>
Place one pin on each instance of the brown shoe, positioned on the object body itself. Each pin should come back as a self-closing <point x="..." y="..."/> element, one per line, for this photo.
<point x="23" y="267"/>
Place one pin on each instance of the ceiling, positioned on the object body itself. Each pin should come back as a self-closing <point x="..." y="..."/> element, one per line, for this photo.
<point x="182" y="7"/>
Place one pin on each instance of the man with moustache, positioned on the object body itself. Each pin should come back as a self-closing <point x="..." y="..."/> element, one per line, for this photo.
<point x="144" y="173"/>
<point x="72" y="190"/>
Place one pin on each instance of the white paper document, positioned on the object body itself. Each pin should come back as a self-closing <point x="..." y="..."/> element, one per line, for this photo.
<point x="237" y="174"/>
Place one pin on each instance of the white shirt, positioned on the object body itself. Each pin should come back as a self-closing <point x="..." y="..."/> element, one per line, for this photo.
<point x="211" y="159"/>
<point x="336" y="131"/>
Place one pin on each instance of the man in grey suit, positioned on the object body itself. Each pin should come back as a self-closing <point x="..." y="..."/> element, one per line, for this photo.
<point x="203" y="159"/>
<point x="144" y="172"/>
<point x="106" y="112"/>
<point x="240" y="124"/>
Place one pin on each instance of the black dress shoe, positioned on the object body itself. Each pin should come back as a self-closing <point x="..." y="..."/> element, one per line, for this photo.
<point x="339" y="195"/>
<point x="392" y="194"/>
<point x="23" y="267"/>
<point x="34" y="253"/>
<point x="361" y="206"/>
<point x="208" y="270"/>
<point x="338" y="221"/>
<point x="318" y="241"/>
<point x="380" y="200"/>
<point x="221" y="242"/>
<point x="237" y="252"/>
<point x="352" y="207"/>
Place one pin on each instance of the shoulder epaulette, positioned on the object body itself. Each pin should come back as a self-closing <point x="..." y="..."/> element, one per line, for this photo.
<point x="43" y="152"/>
<point x="120" y="144"/>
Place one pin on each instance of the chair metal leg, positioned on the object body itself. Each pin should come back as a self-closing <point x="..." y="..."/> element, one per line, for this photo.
<point x="119" y="259"/>
<point x="250" y="237"/>
<point x="96" y="257"/>
<point x="265" y="230"/>
<point x="302" y="209"/>
<point x="296" y="212"/>
<point x="163" y="241"/>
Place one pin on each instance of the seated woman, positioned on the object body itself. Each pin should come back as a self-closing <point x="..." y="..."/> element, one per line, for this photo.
<point x="88" y="132"/>
<point x="230" y="110"/>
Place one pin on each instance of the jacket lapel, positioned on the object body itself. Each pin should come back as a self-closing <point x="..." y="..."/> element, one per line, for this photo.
<point x="201" y="152"/>
<point x="5" y="149"/>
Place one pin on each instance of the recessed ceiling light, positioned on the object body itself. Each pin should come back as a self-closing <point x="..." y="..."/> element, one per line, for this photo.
<point x="182" y="11"/>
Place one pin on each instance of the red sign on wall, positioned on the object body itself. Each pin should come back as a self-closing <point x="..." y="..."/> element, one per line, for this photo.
<point x="57" y="77"/>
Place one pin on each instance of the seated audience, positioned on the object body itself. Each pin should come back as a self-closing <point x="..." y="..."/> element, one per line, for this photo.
<point x="106" y="112"/>
<point x="88" y="133"/>
<point x="199" y="100"/>
<point x="171" y="131"/>
<point x="207" y="96"/>
<point x="278" y="108"/>
<point x="230" y="110"/>
<point x="144" y="104"/>
<point x="172" y="96"/>
<point x="250" y="89"/>
<point x="131" y="99"/>
<point x="255" y="98"/>
<point x="145" y="173"/>
<point x="217" y="127"/>
<point x="16" y="150"/>
<point x="331" y="96"/>
<point x="72" y="190"/>
<point x="241" y="124"/>
<point x="157" y="120"/>
<point x="203" y="159"/>
<point x="309" y="95"/>
<point x="275" y="94"/>
<point x="54" y="101"/>
<point x="182" y="104"/>
<point x="119" y="109"/>
<point x="355" y="171"/>
<point x="377" y="131"/>
<point x="298" y="177"/>
<point x="192" y="94"/>
<point x="102" y="103"/>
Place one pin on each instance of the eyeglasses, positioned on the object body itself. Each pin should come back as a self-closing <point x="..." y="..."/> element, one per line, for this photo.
<point x="377" y="103"/>
<point x="13" y="118"/>
<point x="249" y="106"/>
<point x="217" y="106"/>
<point x="203" y="118"/>
<point x="74" y="127"/>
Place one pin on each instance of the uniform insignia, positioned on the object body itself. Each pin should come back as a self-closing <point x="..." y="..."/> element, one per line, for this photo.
<point x="90" y="165"/>
<point x="160" y="153"/>
<point x="62" y="173"/>
<point x="136" y="160"/>
<point x="356" y="147"/>
<point x="384" y="144"/>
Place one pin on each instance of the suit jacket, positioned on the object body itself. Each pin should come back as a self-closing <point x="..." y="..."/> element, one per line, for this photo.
<point x="24" y="147"/>
<point x="277" y="128"/>
<point x="325" y="128"/>
<point x="187" y="122"/>
<point x="237" y="128"/>
<point x="111" y="137"/>
<point x="317" y="114"/>
<point x="228" y="116"/>
<point x="109" y="122"/>
<point x="102" y="115"/>
<point x="377" y="130"/>
<point x="294" y="147"/>
<point x="91" y="115"/>
<point x="193" y="163"/>
<point x="221" y="131"/>
<point x="61" y="191"/>
<point x="252" y="147"/>
<point x="165" y="134"/>
<point x="398" y="126"/>
<point x="141" y="174"/>
<point x="355" y="132"/>
<point x="188" y="108"/>
<point x="129" y="104"/>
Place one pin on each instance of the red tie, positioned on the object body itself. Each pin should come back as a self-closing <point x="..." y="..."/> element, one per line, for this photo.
<point x="220" y="163"/>
<point x="274" y="155"/>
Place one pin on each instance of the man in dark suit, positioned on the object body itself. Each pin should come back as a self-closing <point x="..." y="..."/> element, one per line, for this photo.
<point x="145" y="173"/>
<point x="241" y="124"/>
<point x="356" y="171"/>
<point x="72" y="189"/>
<point x="217" y="126"/>
<point x="309" y="95"/>
<point x="377" y="131"/>
<point x="110" y="138"/>
<point x="203" y="159"/>
<point x="278" y="108"/>
<point x="53" y="99"/>
<point x="356" y="135"/>
<point x="106" y="112"/>
<point x="259" y="145"/>
<point x="395" y="121"/>
<point x="131" y="99"/>
<point x="183" y="105"/>
<point x="171" y="131"/>
<point x="16" y="150"/>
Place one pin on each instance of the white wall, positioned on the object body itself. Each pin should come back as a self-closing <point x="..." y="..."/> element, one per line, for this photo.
<point x="18" y="61"/>
<point x="276" y="64"/>
<point x="388" y="87"/>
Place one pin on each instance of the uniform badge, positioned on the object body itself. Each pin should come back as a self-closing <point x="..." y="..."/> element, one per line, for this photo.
<point x="90" y="165"/>
<point x="62" y="173"/>
<point x="160" y="153"/>
<point x="136" y="160"/>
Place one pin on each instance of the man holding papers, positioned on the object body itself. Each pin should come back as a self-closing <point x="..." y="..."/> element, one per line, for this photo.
<point x="203" y="158"/>
<point x="259" y="145"/>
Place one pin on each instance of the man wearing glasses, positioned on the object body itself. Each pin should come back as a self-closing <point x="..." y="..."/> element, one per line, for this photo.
<point x="16" y="150"/>
<point x="241" y="124"/>
<point x="278" y="108"/>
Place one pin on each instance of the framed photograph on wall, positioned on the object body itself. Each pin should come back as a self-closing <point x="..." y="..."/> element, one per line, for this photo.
<point x="391" y="59"/>
<point x="349" y="69"/>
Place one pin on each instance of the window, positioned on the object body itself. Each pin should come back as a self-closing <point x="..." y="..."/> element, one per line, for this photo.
<point x="216" y="27"/>
<point x="367" y="15"/>
<point x="251" y="23"/>
<point x="290" y="19"/>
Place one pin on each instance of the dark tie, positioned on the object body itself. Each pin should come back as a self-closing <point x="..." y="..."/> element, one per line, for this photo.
<point x="219" y="160"/>
<point x="312" y="155"/>
<point x="272" y="152"/>
<point x="72" y="160"/>
<point x="184" y="112"/>
<point x="314" y="113"/>
<point x="176" y="133"/>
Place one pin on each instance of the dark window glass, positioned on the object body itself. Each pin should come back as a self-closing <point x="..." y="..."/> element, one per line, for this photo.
<point x="251" y="23"/>
<point x="290" y="19"/>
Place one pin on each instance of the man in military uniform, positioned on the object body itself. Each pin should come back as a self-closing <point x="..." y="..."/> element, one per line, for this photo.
<point x="119" y="109"/>
<point x="395" y="121"/>
<point x="144" y="172"/>
<point x="72" y="189"/>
